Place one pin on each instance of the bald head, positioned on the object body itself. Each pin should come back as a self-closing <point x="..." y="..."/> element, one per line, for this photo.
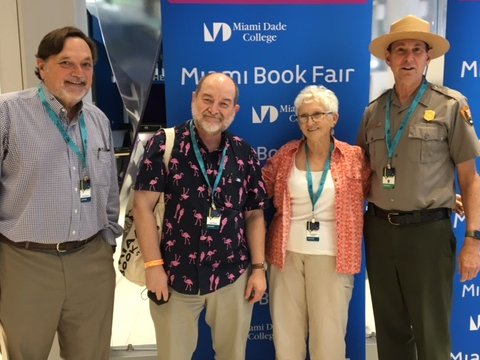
<point x="214" y="103"/>
<point x="218" y="79"/>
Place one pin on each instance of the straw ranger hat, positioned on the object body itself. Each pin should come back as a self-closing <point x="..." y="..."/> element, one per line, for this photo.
<point x="410" y="28"/>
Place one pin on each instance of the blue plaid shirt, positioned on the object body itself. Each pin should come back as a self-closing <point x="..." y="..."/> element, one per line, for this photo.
<point x="40" y="175"/>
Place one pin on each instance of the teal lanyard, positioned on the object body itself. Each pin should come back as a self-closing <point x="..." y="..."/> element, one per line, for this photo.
<point x="58" y="123"/>
<point x="315" y="196"/>
<point x="392" y="145"/>
<point x="193" y="137"/>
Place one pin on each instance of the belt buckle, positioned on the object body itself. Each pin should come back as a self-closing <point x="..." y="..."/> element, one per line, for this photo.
<point x="390" y="219"/>
<point x="59" y="249"/>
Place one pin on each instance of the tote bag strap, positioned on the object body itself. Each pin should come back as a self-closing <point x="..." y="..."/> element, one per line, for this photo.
<point x="169" y="140"/>
<point x="3" y="344"/>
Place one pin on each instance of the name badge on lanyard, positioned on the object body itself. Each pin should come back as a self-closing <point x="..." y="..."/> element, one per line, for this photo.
<point x="388" y="178"/>
<point x="85" y="189"/>
<point x="389" y="173"/>
<point x="214" y="218"/>
<point x="85" y="185"/>
<point x="313" y="226"/>
<point x="313" y="230"/>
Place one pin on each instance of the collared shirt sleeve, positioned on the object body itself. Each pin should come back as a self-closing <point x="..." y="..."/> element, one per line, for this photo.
<point x="463" y="140"/>
<point x="151" y="174"/>
<point x="113" y="229"/>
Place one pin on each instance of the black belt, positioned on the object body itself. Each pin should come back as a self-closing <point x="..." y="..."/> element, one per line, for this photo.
<point x="58" y="247"/>
<point x="395" y="217"/>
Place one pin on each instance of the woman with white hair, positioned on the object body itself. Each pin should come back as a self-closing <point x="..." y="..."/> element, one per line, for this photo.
<point x="318" y="185"/>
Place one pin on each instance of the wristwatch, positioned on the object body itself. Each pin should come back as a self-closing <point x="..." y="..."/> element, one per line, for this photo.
<point x="261" y="266"/>
<point x="475" y="234"/>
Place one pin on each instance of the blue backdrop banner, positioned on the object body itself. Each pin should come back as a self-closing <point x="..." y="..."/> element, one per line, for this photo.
<point x="272" y="49"/>
<point x="462" y="73"/>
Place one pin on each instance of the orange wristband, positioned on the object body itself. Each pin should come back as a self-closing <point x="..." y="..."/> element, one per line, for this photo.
<point x="153" y="263"/>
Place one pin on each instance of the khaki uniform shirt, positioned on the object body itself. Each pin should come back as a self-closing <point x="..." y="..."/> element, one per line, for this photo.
<point x="427" y="153"/>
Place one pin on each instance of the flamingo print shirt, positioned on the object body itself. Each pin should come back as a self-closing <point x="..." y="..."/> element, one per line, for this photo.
<point x="197" y="259"/>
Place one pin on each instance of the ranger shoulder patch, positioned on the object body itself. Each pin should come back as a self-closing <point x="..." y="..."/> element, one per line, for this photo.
<point x="466" y="114"/>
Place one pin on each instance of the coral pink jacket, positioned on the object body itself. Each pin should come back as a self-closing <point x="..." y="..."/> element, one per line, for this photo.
<point x="351" y="173"/>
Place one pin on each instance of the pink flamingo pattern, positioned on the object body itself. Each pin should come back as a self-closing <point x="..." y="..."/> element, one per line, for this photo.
<point x="188" y="283"/>
<point x="199" y="259"/>
<point x="185" y="195"/>
<point x="198" y="217"/>
<point x="192" y="257"/>
<point x="176" y="261"/>
<point x="148" y="164"/>
<point x="153" y="183"/>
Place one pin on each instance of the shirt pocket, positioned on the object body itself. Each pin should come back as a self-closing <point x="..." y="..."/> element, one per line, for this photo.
<point x="428" y="143"/>
<point x="100" y="167"/>
<point x="354" y="170"/>
<point x="234" y="195"/>
<point x="377" y="149"/>
<point x="353" y="185"/>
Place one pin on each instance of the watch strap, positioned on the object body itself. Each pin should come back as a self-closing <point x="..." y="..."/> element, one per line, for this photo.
<point x="259" y="266"/>
<point x="475" y="234"/>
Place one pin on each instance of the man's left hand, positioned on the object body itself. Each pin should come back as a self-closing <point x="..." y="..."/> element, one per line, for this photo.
<point x="469" y="260"/>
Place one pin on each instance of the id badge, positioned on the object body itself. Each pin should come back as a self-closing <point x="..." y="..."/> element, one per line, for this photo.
<point x="213" y="219"/>
<point x="388" y="179"/>
<point x="313" y="230"/>
<point x="85" y="190"/>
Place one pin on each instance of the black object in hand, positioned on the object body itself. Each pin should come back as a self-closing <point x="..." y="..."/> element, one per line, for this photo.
<point x="153" y="296"/>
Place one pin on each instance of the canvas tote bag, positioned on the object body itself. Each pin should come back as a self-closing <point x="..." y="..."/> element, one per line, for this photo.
<point x="3" y="344"/>
<point x="130" y="263"/>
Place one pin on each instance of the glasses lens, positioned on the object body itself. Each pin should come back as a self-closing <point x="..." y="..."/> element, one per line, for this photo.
<point x="315" y="116"/>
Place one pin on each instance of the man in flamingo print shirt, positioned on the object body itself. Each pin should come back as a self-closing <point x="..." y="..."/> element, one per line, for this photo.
<point x="211" y="254"/>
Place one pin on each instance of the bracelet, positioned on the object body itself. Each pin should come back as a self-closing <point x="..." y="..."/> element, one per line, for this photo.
<point x="259" y="266"/>
<point x="153" y="263"/>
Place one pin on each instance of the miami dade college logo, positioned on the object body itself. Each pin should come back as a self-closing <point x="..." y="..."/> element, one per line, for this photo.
<point x="210" y="35"/>
<point x="474" y="323"/>
<point x="266" y="111"/>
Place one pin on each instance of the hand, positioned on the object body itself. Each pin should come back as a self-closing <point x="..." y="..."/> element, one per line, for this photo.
<point x="157" y="281"/>
<point x="469" y="260"/>
<point x="459" y="205"/>
<point x="256" y="286"/>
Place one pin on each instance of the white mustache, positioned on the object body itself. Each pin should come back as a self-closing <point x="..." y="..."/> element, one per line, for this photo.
<point x="78" y="82"/>
<point x="209" y="114"/>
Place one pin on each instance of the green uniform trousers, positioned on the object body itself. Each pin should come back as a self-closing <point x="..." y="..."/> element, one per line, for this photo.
<point x="410" y="269"/>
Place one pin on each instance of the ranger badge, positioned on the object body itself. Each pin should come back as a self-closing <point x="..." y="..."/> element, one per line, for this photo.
<point x="429" y="115"/>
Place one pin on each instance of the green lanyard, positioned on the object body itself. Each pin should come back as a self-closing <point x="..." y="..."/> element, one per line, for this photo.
<point x="315" y="196"/>
<point x="58" y="123"/>
<point x="202" y="164"/>
<point x="392" y="145"/>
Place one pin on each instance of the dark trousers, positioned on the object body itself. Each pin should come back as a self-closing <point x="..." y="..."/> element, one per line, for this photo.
<point x="410" y="270"/>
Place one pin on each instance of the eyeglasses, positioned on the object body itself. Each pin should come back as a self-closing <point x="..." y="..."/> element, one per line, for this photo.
<point x="315" y="117"/>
